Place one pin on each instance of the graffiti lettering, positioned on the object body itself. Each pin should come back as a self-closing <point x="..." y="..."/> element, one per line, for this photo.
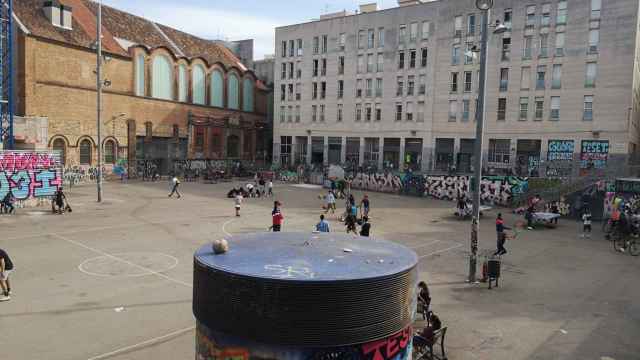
<point x="387" y="348"/>
<point x="28" y="174"/>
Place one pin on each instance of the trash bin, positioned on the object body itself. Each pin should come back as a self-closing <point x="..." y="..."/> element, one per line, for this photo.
<point x="493" y="271"/>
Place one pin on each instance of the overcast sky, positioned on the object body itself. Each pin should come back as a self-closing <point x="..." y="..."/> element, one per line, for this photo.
<point x="236" y="19"/>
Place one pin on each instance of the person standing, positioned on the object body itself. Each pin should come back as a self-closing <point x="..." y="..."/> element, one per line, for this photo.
<point x="501" y="236"/>
<point x="59" y="199"/>
<point x="174" y="190"/>
<point x="277" y="217"/>
<point x="366" y="227"/>
<point x="331" y="203"/>
<point x="6" y="268"/>
<point x="238" y="202"/>
<point x="7" y="203"/>
<point x="366" y="205"/>
<point x="270" y="186"/>
<point x="323" y="225"/>
<point x="586" y="224"/>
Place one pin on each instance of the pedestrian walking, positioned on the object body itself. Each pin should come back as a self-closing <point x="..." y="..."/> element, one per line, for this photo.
<point x="270" y="187"/>
<point x="365" y="204"/>
<point x="555" y="210"/>
<point x="262" y="184"/>
<point x="238" y="201"/>
<point x="174" y="190"/>
<point x="366" y="227"/>
<point x="586" y="224"/>
<point x="277" y="217"/>
<point x="331" y="202"/>
<point x="6" y="268"/>
<point x="323" y="225"/>
<point x="501" y="236"/>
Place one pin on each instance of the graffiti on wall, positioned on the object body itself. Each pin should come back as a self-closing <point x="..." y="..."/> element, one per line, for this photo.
<point x="498" y="190"/>
<point x="594" y="154"/>
<point x="559" y="158"/>
<point x="386" y="182"/>
<point x="212" y="345"/>
<point x="29" y="174"/>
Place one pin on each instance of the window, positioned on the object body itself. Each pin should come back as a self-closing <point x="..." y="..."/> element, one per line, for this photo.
<point x="398" y="111"/>
<point x="183" y="83"/>
<point x="140" y="71"/>
<point x="283" y="114"/>
<point x="283" y="92"/>
<point x="546" y="15"/>
<point x="285" y="148"/>
<point x="290" y="97"/>
<point x="360" y="69"/>
<point x="361" y="39"/>
<point x="379" y="87"/>
<point x="378" y="112"/>
<point x="370" y="62"/>
<point x="110" y="152"/>
<point x="342" y="40"/>
<point x="502" y="108"/>
<point x="526" y="52"/>
<point x="322" y="112"/>
<point x="340" y="89"/>
<point x="539" y="108"/>
<point x="283" y="73"/>
<point x="454" y="82"/>
<point x="325" y="41"/>
<point x="292" y="48"/>
<point x="401" y="60"/>
<point x="247" y="95"/>
<point x="422" y="84"/>
<point x="323" y="70"/>
<point x="453" y="110"/>
<point x="413" y="31"/>
<point x="468" y="76"/>
<point x="299" y="53"/>
<point x="524" y="108"/>
<point x="359" y="88"/>
<point x="61" y="146"/>
<point x="409" y="111"/>
<point x="594" y="39"/>
<point x="198" y="85"/>
<point x="499" y="151"/>
<point x="400" y="88"/>
<point x="531" y="16"/>
<point x="420" y="117"/>
<point x="425" y="29"/>
<point x="504" y="79"/>
<point x="455" y="55"/>
<point x="540" y="75"/>
<point x="371" y="150"/>
<point x="559" y="44"/>
<point x="525" y="77"/>
<point x="595" y="9"/>
<point x="85" y="152"/>
<point x="340" y="65"/>
<point x="358" y="112"/>
<point x="410" y="85"/>
<point x="465" y="110"/>
<point x="412" y="58"/>
<point x="381" y="37"/>
<point x="591" y="73"/>
<point x="556" y="76"/>
<point x="297" y="113"/>
<point x="471" y="24"/>
<point x="367" y="112"/>
<point x="290" y="114"/>
<point x="506" y="49"/>
<point x="457" y="26"/>
<point x="283" y="48"/>
<point x="314" y="113"/>
<point x="291" y="70"/>
<point x="369" y="87"/>
<point x="561" y="16"/>
<point x="402" y="34"/>
<point x="316" y="45"/>
<point x="468" y="54"/>
<point x="298" y="91"/>
<point x="423" y="58"/>
<point x="314" y="90"/>
<point x="380" y="63"/>
<point x="371" y="37"/>
<point x="544" y="45"/>
<point x="162" y="78"/>
<point x="339" y="113"/>
<point x="323" y="90"/>
<point x="588" y="108"/>
<point x="555" y="108"/>
<point x="508" y="13"/>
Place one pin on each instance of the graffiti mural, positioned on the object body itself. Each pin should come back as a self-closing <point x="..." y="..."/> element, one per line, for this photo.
<point x="387" y="182"/>
<point x="29" y="174"/>
<point x="594" y="155"/>
<point x="498" y="190"/>
<point x="212" y="345"/>
<point x="559" y="158"/>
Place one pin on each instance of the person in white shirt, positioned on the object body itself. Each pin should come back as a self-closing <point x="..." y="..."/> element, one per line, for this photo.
<point x="270" y="186"/>
<point x="331" y="203"/>
<point x="238" y="202"/>
<point x="174" y="189"/>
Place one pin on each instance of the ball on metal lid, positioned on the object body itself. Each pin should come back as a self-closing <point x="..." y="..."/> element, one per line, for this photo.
<point x="220" y="246"/>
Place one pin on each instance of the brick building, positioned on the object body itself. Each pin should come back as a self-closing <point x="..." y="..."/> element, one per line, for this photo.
<point x="168" y="95"/>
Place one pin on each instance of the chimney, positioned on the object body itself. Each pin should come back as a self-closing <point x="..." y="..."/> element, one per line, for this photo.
<point x="58" y="14"/>
<point x="367" y="8"/>
<point x="408" y="2"/>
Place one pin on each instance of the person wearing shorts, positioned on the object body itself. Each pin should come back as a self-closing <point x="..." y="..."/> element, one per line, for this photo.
<point x="6" y="268"/>
<point x="238" y="202"/>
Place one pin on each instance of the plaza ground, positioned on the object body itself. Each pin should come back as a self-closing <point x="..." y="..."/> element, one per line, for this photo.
<point x="113" y="280"/>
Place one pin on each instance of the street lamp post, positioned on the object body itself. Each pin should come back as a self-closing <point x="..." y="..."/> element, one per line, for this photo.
<point x="99" y="84"/>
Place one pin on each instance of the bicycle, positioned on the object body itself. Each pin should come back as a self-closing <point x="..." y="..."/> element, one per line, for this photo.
<point x="623" y="243"/>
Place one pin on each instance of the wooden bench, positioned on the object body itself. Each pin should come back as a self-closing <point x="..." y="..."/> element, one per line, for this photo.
<point x="423" y="349"/>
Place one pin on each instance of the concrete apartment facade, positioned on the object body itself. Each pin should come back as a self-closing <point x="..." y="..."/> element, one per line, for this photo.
<point x="396" y="88"/>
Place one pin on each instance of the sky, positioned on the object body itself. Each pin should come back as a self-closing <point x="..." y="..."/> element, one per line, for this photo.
<point x="237" y="19"/>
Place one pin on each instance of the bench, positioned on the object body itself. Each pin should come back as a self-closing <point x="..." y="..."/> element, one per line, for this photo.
<point x="423" y="349"/>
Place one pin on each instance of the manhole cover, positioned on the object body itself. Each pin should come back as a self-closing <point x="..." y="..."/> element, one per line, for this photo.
<point x="130" y="264"/>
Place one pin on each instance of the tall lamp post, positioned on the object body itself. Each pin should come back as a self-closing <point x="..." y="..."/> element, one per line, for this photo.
<point x="484" y="6"/>
<point x="99" y="84"/>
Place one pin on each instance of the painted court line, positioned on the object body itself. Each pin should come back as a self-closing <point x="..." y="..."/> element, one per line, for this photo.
<point x="147" y="342"/>
<point x="224" y="226"/>
<point x="441" y="251"/>
<point x="423" y="245"/>
<point x="151" y="272"/>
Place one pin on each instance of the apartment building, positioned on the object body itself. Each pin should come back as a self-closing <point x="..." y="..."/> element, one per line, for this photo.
<point x="397" y="88"/>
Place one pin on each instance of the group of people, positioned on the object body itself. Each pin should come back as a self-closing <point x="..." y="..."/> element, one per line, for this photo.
<point x="261" y="188"/>
<point x="622" y="219"/>
<point x="426" y="336"/>
<point x="350" y="215"/>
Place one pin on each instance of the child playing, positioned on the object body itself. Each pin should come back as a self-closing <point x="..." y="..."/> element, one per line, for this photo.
<point x="238" y="202"/>
<point x="586" y="224"/>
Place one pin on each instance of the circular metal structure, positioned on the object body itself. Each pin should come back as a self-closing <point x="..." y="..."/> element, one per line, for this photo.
<point x="305" y="290"/>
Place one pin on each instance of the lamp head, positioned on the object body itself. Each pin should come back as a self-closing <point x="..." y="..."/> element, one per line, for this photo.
<point x="500" y="28"/>
<point x="484" y="4"/>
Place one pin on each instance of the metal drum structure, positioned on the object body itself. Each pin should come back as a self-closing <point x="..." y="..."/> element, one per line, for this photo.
<point x="304" y="296"/>
<point x="6" y="75"/>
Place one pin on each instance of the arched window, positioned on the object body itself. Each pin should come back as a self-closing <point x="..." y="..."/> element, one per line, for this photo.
<point x="61" y="146"/>
<point x="247" y="95"/>
<point x="217" y="86"/>
<point x="162" y="78"/>
<point x="85" y="152"/>
<point x="232" y="91"/>
<point x="182" y="83"/>
<point x="140" y="75"/>
<point x="110" y="152"/>
<point x="198" y="83"/>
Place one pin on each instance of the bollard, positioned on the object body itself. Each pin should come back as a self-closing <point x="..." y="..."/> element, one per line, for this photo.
<point x="304" y="296"/>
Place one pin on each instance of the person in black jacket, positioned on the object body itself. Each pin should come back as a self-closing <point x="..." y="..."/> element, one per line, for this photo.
<point x="366" y="227"/>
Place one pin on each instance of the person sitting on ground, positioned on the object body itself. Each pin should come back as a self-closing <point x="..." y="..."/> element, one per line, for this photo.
<point x="7" y="203"/>
<point x="323" y="225"/>
<point x="366" y="227"/>
<point x="424" y="299"/>
<point x="59" y="199"/>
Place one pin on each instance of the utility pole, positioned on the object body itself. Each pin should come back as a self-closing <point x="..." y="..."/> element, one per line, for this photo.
<point x="99" y="99"/>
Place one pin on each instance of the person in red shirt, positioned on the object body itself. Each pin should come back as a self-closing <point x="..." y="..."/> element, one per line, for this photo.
<point x="276" y="214"/>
